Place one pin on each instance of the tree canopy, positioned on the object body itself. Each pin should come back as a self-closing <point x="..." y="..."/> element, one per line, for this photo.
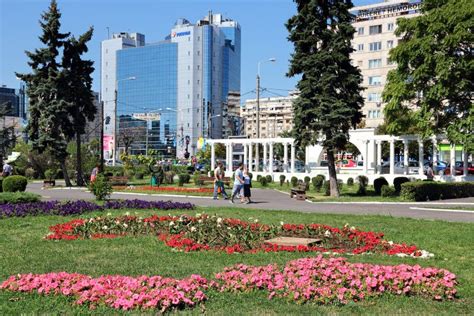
<point x="432" y="86"/>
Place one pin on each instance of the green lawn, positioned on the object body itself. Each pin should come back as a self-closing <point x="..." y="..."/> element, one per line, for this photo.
<point x="23" y="250"/>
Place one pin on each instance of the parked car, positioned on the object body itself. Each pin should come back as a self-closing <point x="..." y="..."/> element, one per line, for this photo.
<point x="110" y="162"/>
<point x="348" y="163"/>
<point x="323" y="163"/>
<point x="299" y="166"/>
<point x="413" y="167"/>
<point x="459" y="167"/>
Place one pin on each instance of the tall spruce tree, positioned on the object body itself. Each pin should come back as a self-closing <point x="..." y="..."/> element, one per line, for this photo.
<point x="432" y="87"/>
<point x="49" y="116"/>
<point x="330" y="102"/>
<point x="77" y="83"/>
<point x="7" y="133"/>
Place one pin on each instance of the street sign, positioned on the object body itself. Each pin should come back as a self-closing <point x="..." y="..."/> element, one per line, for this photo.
<point x="147" y="116"/>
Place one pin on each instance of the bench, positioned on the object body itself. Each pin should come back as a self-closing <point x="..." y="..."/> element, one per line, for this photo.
<point x="299" y="192"/>
<point x="205" y="179"/>
<point x="118" y="180"/>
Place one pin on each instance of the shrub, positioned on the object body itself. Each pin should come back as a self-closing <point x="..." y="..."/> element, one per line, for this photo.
<point x="387" y="191"/>
<point x="307" y="180"/>
<point x="350" y="182"/>
<point x="282" y="179"/>
<point x="430" y="190"/>
<point x="269" y="178"/>
<point x="397" y="183"/>
<point x="294" y="181"/>
<point x="318" y="182"/>
<point x="101" y="188"/>
<point x="327" y="188"/>
<point x="263" y="181"/>
<point x="196" y="179"/>
<point x="14" y="184"/>
<point x="250" y="175"/>
<point x="115" y="171"/>
<point x="183" y="178"/>
<point x="18" y="197"/>
<point x="169" y="177"/>
<point x="50" y="174"/>
<point x="30" y="173"/>
<point x="139" y="175"/>
<point x="378" y="183"/>
<point x="363" y="181"/>
<point x="259" y="177"/>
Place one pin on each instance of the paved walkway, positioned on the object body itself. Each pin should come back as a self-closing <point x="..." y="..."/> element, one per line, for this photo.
<point x="274" y="200"/>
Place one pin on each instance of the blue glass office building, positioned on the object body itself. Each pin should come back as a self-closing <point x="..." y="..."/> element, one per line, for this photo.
<point x="183" y="83"/>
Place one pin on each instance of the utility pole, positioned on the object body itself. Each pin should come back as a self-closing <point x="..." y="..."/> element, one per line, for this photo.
<point x="257" y="111"/>
<point x="102" y="136"/>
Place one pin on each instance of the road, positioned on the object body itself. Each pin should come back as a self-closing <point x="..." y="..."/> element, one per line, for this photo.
<point x="274" y="200"/>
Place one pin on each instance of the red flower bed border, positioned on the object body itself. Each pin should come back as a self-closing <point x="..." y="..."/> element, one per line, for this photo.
<point x="366" y="241"/>
<point x="170" y="189"/>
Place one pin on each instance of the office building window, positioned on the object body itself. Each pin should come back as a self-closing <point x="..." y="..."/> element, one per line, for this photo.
<point x="198" y="53"/>
<point x="189" y="67"/>
<point x="198" y="67"/>
<point x="198" y="81"/>
<point x="389" y="44"/>
<point x="360" y="31"/>
<point x="375" y="29"/>
<point x="189" y="97"/>
<point x="375" y="46"/>
<point x="374" y="97"/>
<point x="199" y="38"/>
<point x="375" y="81"/>
<point x="189" y="53"/>
<point x="390" y="26"/>
<point x="375" y="63"/>
<point x="360" y="47"/>
<point x="189" y="81"/>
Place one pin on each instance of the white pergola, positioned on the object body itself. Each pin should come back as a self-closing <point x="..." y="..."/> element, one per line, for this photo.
<point x="369" y="144"/>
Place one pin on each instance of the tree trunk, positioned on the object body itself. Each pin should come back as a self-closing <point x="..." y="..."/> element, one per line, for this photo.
<point x="66" y="176"/>
<point x="332" y="172"/>
<point x="79" y="174"/>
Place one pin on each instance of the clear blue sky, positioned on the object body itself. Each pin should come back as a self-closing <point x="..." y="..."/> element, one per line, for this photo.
<point x="262" y="22"/>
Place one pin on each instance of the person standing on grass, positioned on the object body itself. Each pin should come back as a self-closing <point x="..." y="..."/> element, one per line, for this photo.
<point x="238" y="182"/>
<point x="247" y="186"/>
<point x="218" y="181"/>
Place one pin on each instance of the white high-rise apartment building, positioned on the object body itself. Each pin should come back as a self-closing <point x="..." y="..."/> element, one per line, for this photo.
<point x="375" y="25"/>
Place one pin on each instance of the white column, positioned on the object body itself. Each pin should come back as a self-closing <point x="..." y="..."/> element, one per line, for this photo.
<point x="270" y="158"/>
<point x="392" y="157"/>
<point x="265" y="157"/>
<point x="464" y="158"/>
<point x="213" y="157"/>
<point x="435" y="152"/>
<point x="366" y="157"/>
<point x="379" y="157"/>
<point x="452" y="160"/>
<point x="250" y="157"/>
<point x="405" y="156"/>
<point x="285" y="157"/>
<point x="228" y="163"/>
<point x="257" y="156"/>
<point x="246" y="155"/>
<point x="292" y="158"/>
<point x="231" y="156"/>
<point x="420" y="157"/>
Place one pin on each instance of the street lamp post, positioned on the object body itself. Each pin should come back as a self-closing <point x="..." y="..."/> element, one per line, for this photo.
<point x="115" y="117"/>
<point x="258" y="109"/>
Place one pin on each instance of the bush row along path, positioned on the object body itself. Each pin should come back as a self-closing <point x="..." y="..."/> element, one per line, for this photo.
<point x="274" y="200"/>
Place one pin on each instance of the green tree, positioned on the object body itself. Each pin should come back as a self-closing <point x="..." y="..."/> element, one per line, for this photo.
<point x="78" y="91"/>
<point x="7" y="133"/>
<point x="432" y="86"/>
<point x="49" y="122"/>
<point x="330" y="102"/>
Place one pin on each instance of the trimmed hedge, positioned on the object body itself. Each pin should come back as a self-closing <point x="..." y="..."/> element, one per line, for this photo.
<point x="14" y="184"/>
<point x="363" y="182"/>
<point x="269" y="178"/>
<point x="282" y="179"/>
<point x="318" y="182"/>
<point x="398" y="181"/>
<point x="350" y="182"/>
<point x="294" y="181"/>
<point x="378" y="183"/>
<point x="387" y="191"/>
<point x="18" y="197"/>
<point x="429" y="190"/>
<point x="263" y="181"/>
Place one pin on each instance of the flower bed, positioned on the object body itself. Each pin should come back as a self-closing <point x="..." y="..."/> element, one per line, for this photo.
<point x="168" y="189"/>
<point x="334" y="280"/>
<point x="317" y="280"/>
<point x="119" y="292"/>
<point x="80" y="206"/>
<point x="232" y="235"/>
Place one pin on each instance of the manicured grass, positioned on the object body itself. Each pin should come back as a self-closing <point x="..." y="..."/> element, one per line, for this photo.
<point x="23" y="250"/>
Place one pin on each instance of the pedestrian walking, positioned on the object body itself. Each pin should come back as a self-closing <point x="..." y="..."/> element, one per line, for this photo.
<point x="247" y="186"/>
<point x="7" y="170"/>
<point x="430" y="172"/>
<point x="218" y="181"/>
<point x="94" y="173"/>
<point x="238" y="182"/>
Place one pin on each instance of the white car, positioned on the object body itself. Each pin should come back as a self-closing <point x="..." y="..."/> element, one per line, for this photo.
<point x="413" y="167"/>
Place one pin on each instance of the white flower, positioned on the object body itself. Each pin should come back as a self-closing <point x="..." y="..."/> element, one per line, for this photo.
<point x="193" y="229"/>
<point x="281" y="223"/>
<point x="327" y="233"/>
<point x="104" y="227"/>
<point x="390" y="243"/>
<point x="353" y="228"/>
<point x="125" y="225"/>
<point x="127" y="213"/>
<point x="228" y="228"/>
<point x="200" y="221"/>
<point x="256" y="220"/>
<point x="198" y="215"/>
<point x="347" y="225"/>
<point x="219" y="220"/>
<point x="109" y="214"/>
<point x="218" y="225"/>
<point x="171" y="223"/>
